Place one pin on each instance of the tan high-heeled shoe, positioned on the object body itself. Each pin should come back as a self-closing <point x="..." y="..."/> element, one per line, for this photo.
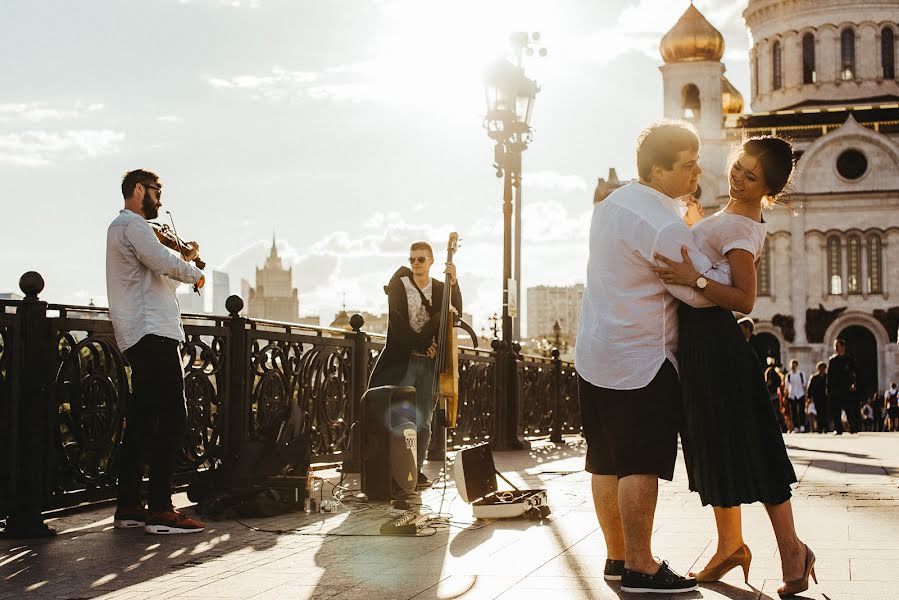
<point x="741" y="558"/>
<point x="795" y="586"/>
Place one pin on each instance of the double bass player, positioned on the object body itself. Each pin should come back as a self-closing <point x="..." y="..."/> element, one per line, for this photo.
<point x="414" y="302"/>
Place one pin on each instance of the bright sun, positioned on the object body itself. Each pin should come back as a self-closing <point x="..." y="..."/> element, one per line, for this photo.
<point x="435" y="55"/>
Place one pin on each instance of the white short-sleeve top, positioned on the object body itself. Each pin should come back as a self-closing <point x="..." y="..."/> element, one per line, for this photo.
<point x="722" y="232"/>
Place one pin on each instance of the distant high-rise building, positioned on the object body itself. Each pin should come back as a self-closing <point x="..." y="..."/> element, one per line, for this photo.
<point x="548" y="304"/>
<point x="274" y="296"/>
<point x="11" y="296"/>
<point x="221" y="289"/>
<point x="190" y="301"/>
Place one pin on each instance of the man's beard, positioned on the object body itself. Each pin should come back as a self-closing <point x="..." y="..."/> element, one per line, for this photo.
<point x="150" y="207"/>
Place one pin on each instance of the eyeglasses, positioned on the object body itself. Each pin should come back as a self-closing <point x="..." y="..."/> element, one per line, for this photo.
<point x="419" y="259"/>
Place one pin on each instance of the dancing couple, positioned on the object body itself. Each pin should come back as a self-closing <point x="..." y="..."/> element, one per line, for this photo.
<point x="659" y="353"/>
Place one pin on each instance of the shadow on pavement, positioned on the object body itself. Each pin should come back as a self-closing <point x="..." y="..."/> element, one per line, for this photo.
<point x="89" y="560"/>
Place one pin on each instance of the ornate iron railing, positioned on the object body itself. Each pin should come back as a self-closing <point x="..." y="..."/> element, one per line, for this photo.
<point x="65" y="389"/>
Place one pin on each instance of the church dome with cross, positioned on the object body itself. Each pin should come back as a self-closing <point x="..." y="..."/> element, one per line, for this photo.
<point x="692" y="38"/>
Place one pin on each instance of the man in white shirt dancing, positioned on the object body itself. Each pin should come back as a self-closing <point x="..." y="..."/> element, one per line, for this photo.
<point x="141" y="278"/>
<point x="626" y="351"/>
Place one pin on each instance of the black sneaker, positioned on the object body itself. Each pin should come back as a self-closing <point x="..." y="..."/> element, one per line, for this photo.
<point x="614" y="570"/>
<point x="665" y="581"/>
<point x="423" y="482"/>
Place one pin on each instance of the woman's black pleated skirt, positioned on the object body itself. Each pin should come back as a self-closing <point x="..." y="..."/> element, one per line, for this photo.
<point x="732" y="444"/>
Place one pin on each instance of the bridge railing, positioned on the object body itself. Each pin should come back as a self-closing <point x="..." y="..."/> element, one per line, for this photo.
<point x="64" y="387"/>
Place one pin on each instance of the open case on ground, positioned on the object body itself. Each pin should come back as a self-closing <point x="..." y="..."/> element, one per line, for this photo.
<point x="475" y="476"/>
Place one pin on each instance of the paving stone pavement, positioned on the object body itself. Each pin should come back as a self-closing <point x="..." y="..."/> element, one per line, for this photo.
<point x="846" y="505"/>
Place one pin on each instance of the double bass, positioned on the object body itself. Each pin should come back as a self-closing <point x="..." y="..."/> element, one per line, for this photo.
<point x="446" y="379"/>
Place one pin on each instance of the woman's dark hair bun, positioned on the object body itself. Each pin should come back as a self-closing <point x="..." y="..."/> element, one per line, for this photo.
<point x="776" y="156"/>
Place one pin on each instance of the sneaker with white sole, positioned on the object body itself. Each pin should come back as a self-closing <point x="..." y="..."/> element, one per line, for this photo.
<point x="172" y="522"/>
<point x="129" y="517"/>
<point x="664" y="581"/>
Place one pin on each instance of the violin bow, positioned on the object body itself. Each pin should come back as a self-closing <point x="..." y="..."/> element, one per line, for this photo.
<point x="178" y="241"/>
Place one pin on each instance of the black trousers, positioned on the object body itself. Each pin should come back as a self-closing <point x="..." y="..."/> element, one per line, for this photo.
<point x="797" y="412"/>
<point x="845" y="401"/>
<point x="155" y="419"/>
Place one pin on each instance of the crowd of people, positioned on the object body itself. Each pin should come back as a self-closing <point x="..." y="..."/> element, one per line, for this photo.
<point x="829" y="400"/>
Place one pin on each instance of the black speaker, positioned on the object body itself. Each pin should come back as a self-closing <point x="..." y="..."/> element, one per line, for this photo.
<point x="389" y="442"/>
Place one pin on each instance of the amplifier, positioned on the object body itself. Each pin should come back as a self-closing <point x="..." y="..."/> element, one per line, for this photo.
<point x="389" y="442"/>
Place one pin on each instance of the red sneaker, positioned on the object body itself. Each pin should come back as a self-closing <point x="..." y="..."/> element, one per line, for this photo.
<point x="172" y="521"/>
<point x="129" y="517"/>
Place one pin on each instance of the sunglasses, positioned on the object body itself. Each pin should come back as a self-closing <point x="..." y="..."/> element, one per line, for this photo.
<point x="154" y="187"/>
<point x="417" y="259"/>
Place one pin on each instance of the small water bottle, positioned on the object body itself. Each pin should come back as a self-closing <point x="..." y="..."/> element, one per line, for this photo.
<point x="310" y="489"/>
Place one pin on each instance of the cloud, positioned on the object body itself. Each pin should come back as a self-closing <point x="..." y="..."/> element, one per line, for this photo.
<point x="40" y="148"/>
<point x="552" y="180"/>
<point x="42" y="111"/>
<point x="280" y="84"/>
<point x="169" y="119"/>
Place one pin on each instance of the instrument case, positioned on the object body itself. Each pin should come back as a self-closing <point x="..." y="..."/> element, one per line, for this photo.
<point x="475" y="475"/>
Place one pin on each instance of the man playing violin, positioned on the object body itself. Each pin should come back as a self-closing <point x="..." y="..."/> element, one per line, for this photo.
<point x="414" y="300"/>
<point x="141" y="279"/>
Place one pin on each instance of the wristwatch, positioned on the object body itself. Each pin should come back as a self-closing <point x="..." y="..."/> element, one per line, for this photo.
<point x="701" y="283"/>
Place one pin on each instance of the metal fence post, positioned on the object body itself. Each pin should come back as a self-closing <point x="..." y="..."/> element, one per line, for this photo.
<point x="352" y="461"/>
<point x="556" y="436"/>
<point x="508" y="396"/>
<point x="32" y="417"/>
<point x="236" y="409"/>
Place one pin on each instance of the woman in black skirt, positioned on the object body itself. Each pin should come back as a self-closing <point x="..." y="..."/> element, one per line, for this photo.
<point x="733" y="447"/>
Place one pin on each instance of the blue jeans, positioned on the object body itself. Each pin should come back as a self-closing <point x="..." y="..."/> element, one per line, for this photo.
<point x="420" y="375"/>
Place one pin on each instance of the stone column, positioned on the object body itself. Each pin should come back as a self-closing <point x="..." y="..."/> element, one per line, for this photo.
<point x="799" y="275"/>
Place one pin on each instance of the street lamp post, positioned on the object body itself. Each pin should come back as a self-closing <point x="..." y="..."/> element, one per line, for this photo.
<point x="510" y="100"/>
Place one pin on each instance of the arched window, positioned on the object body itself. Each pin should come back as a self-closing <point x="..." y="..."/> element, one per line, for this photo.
<point x="834" y="266"/>
<point x="776" y="64"/>
<point x="809" y="75"/>
<point x="847" y="54"/>
<point x="763" y="272"/>
<point x="854" y="262"/>
<point x="888" y="52"/>
<point x="875" y="268"/>
<point x="690" y="103"/>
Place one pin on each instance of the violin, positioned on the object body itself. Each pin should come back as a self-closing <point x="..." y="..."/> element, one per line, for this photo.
<point x="169" y="238"/>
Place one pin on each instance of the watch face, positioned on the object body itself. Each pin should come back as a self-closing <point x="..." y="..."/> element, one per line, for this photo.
<point x="702" y="282"/>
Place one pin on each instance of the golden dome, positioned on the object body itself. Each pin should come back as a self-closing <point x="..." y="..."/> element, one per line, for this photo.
<point x="731" y="98"/>
<point x="692" y="38"/>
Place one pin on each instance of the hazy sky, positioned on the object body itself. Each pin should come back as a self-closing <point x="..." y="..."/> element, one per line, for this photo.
<point x="349" y="128"/>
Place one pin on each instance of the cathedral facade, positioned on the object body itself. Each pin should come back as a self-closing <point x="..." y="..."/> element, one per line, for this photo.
<point x="823" y="75"/>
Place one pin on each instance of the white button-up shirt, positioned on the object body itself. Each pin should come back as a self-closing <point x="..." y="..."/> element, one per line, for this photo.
<point x="628" y="324"/>
<point x="139" y="282"/>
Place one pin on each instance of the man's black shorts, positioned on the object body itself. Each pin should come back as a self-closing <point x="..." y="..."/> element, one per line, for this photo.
<point x="632" y="432"/>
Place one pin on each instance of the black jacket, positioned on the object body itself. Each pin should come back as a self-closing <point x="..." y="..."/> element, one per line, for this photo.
<point x="402" y="340"/>
<point x="817" y="387"/>
<point x="840" y="375"/>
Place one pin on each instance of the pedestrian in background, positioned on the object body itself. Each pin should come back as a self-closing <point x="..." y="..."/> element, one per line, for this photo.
<point x="891" y="399"/>
<point x="841" y="388"/>
<point x="877" y="407"/>
<point x="795" y="385"/>
<point x="817" y="398"/>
